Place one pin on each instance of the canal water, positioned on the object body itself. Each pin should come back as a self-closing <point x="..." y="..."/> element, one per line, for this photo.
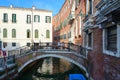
<point x="49" y="69"/>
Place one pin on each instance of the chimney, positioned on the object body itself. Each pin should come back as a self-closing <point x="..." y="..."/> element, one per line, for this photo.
<point x="33" y="7"/>
<point x="11" y="6"/>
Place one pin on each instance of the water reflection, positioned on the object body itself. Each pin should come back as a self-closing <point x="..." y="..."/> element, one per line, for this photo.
<point x="49" y="69"/>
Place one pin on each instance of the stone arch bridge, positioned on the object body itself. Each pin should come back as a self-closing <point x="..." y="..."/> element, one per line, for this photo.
<point x="24" y="56"/>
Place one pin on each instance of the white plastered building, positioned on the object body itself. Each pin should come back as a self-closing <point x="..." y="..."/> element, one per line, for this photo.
<point x="23" y="26"/>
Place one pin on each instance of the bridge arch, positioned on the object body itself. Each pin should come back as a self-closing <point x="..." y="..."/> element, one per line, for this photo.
<point x="52" y="55"/>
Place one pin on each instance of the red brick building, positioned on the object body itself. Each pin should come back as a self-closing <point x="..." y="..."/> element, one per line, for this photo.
<point x="67" y="23"/>
<point x="94" y="24"/>
<point x="102" y="39"/>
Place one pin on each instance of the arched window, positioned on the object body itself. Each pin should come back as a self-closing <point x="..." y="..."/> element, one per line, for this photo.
<point x="47" y="34"/>
<point x="4" y="33"/>
<point x="36" y="33"/>
<point x="13" y="33"/>
<point x="28" y="33"/>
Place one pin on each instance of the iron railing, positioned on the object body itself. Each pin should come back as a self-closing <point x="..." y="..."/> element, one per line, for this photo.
<point x="49" y="46"/>
<point x="5" y="61"/>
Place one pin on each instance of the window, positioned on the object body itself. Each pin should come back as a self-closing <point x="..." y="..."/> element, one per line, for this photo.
<point x="36" y="18"/>
<point x="28" y="18"/>
<point x="13" y="33"/>
<point x="47" y="34"/>
<point x="64" y="36"/>
<point x="112" y="38"/>
<point x="14" y="18"/>
<point x="4" y="44"/>
<point x="91" y="4"/>
<point x="36" y="33"/>
<point x="77" y="3"/>
<point x="48" y="19"/>
<point x="89" y="7"/>
<point x="28" y="33"/>
<point x="69" y="34"/>
<point x="13" y="44"/>
<point x="28" y="44"/>
<point x="89" y="39"/>
<point x="5" y="33"/>
<point x="5" y="17"/>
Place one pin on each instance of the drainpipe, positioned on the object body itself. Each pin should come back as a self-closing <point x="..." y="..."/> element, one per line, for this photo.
<point x="33" y="8"/>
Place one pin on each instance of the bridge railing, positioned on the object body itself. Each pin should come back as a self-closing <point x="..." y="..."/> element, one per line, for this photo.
<point x="4" y="61"/>
<point x="61" y="46"/>
<point x="49" y="46"/>
<point x="19" y="51"/>
<point x="8" y="67"/>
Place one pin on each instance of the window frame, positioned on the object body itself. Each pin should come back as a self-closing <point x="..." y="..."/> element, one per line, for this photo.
<point x="48" y="19"/>
<point x="4" y="44"/>
<point x="13" y="18"/>
<point x="4" y="33"/>
<point x="28" y="33"/>
<point x="36" y="18"/>
<point x="108" y="52"/>
<point x="5" y="17"/>
<point x="13" y="44"/>
<point x="13" y="33"/>
<point x="28" y="44"/>
<point x="108" y="34"/>
<point x="47" y="34"/>
<point x="36" y="33"/>
<point x="90" y="42"/>
<point x="28" y="19"/>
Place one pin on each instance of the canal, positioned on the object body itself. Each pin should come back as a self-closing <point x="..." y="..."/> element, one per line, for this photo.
<point x="50" y="68"/>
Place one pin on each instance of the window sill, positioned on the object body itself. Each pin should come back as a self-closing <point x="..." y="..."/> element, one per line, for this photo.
<point x="111" y="53"/>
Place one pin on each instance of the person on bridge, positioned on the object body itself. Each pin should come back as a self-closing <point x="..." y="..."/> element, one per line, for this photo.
<point x="68" y="46"/>
<point x="59" y="44"/>
<point x="63" y="45"/>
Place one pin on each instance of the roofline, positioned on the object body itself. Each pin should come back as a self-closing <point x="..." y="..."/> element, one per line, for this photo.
<point x="7" y="7"/>
<point x="60" y="8"/>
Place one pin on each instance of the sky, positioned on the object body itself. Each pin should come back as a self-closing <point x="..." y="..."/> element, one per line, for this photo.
<point x="52" y="5"/>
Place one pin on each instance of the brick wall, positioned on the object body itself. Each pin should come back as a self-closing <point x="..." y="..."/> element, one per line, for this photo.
<point x="95" y="56"/>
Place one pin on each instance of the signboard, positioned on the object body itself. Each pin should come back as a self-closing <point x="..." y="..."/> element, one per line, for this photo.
<point x="76" y="77"/>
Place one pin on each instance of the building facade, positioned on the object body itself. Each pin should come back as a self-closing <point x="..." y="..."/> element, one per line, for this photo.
<point x="23" y="26"/>
<point x="67" y="23"/>
<point x="101" y="39"/>
<point x="94" y="24"/>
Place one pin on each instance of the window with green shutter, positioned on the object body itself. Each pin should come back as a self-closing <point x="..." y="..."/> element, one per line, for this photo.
<point x="28" y="18"/>
<point x="47" y="34"/>
<point x="13" y="33"/>
<point x="36" y="33"/>
<point x="5" y="17"/>
<point x="48" y="19"/>
<point x="14" y="18"/>
<point x="4" y="33"/>
<point x="36" y="18"/>
<point x="28" y="33"/>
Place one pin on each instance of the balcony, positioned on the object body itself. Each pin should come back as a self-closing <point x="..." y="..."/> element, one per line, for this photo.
<point x="71" y="17"/>
<point x="89" y="22"/>
<point x="107" y="6"/>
